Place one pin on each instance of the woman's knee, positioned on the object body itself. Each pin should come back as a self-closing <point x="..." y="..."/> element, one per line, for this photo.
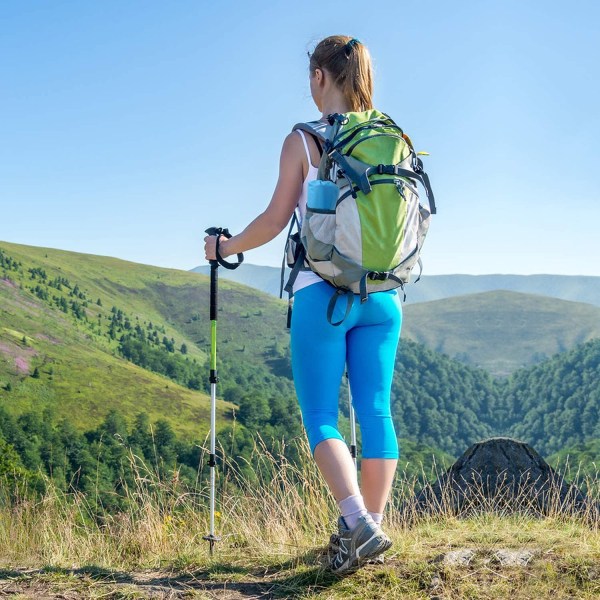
<point x="379" y="438"/>
<point x="318" y="433"/>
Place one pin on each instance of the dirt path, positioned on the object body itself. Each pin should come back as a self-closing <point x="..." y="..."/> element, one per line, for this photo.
<point x="517" y="574"/>
<point x="73" y="584"/>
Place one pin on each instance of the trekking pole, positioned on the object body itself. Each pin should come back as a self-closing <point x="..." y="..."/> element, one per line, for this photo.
<point x="214" y="280"/>
<point x="352" y="422"/>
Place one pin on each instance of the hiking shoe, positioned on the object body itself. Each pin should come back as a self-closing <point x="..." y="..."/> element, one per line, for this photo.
<point x="334" y="540"/>
<point x="356" y="546"/>
<point x="334" y="544"/>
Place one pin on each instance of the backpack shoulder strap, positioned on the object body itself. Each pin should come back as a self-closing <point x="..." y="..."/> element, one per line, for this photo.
<point x="315" y="128"/>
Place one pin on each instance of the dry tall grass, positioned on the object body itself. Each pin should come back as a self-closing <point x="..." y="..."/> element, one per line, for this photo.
<point x="276" y="510"/>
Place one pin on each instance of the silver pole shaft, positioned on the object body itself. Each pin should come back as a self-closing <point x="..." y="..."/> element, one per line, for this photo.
<point x="352" y="418"/>
<point x="352" y="426"/>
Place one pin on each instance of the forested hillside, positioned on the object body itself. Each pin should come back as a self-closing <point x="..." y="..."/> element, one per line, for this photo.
<point x="442" y="402"/>
<point x="100" y="358"/>
<point x="556" y="405"/>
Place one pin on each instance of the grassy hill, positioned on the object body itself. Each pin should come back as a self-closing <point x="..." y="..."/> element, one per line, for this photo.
<point x="260" y="277"/>
<point x="501" y="331"/>
<point x="78" y="363"/>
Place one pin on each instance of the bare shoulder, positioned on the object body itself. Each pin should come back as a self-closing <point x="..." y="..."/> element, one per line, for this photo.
<point x="293" y="143"/>
<point x="292" y="153"/>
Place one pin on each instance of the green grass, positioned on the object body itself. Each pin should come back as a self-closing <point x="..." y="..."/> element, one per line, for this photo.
<point x="274" y="524"/>
<point x="82" y="376"/>
<point x="166" y="296"/>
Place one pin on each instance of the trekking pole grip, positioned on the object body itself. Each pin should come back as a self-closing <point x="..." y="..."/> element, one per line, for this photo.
<point x="214" y="278"/>
<point x="218" y="232"/>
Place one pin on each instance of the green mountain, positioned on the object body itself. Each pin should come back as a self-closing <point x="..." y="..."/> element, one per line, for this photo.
<point x="501" y="331"/>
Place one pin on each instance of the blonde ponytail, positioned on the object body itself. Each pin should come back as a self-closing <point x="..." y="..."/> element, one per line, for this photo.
<point x="349" y="63"/>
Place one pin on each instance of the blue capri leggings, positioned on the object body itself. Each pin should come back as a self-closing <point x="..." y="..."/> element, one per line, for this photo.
<point x="366" y="341"/>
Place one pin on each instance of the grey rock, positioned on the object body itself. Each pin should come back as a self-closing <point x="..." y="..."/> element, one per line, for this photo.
<point x="461" y="557"/>
<point x="513" y="558"/>
<point x="436" y="582"/>
<point x="501" y="475"/>
<point x="593" y="573"/>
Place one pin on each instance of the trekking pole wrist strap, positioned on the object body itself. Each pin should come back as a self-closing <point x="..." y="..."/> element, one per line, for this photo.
<point x="221" y="260"/>
<point x="218" y="232"/>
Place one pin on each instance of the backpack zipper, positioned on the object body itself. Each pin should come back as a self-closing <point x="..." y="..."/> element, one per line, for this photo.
<point x="349" y="151"/>
<point x="365" y="126"/>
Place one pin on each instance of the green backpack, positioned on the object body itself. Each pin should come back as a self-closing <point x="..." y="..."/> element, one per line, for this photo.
<point x="364" y="225"/>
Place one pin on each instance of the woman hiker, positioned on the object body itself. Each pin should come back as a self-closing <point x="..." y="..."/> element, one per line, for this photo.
<point x="341" y="81"/>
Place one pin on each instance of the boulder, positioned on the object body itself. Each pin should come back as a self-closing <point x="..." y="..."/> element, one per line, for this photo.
<point x="505" y="476"/>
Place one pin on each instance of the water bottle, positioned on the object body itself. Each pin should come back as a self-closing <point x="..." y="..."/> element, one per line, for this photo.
<point x="322" y="195"/>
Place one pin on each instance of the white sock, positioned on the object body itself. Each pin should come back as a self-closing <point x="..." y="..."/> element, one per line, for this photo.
<point x="352" y="508"/>
<point x="377" y="517"/>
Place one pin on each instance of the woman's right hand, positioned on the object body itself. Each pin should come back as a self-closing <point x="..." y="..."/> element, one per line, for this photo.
<point x="210" y="247"/>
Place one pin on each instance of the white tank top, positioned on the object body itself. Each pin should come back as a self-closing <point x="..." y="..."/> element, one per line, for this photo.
<point x="305" y="278"/>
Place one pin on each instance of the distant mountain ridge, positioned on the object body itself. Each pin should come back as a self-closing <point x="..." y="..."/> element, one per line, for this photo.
<point x="501" y="331"/>
<point x="576" y="288"/>
<point x="500" y="323"/>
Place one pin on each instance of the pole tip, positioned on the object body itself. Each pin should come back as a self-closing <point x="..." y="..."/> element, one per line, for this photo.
<point x="212" y="539"/>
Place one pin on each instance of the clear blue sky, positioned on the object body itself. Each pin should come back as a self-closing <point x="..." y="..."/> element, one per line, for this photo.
<point x="128" y="127"/>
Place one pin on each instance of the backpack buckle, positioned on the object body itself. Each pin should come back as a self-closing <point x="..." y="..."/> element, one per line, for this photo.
<point x="417" y="164"/>
<point x="378" y="275"/>
<point x="333" y="118"/>
<point x="380" y="169"/>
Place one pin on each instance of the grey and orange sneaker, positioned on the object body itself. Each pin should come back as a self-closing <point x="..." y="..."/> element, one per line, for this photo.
<point x="357" y="546"/>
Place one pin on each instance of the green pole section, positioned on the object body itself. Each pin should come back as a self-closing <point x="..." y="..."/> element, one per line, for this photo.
<point x="213" y="345"/>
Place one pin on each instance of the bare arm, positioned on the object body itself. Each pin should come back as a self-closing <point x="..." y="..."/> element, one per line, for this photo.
<point x="279" y="211"/>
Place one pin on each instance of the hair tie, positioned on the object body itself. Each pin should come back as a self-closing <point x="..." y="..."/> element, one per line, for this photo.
<point x="348" y="47"/>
